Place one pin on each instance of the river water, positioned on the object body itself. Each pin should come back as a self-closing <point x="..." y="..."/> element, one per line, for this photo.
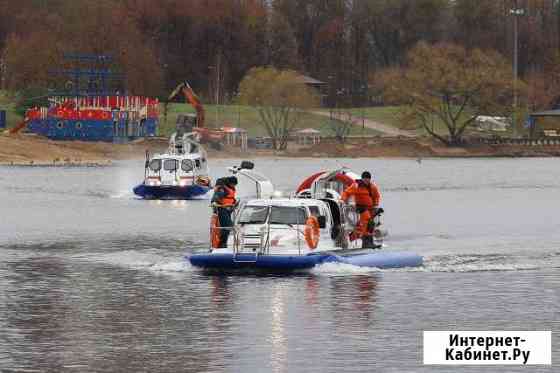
<point x="94" y="280"/>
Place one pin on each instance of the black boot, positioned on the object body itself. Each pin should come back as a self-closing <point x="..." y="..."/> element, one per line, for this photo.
<point x="367" y="242"/>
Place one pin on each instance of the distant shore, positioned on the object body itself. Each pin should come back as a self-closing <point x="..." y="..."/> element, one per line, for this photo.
<point x="33" y="150"/>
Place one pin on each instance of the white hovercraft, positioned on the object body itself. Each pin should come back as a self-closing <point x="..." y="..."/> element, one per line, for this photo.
<point x="180" y="173"/>
<point x="284" y="234"/>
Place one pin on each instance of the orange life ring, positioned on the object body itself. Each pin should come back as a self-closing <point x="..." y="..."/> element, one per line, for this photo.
<point x="214" y="231"/>
<point x="311" y="232"/>
<point x="203" y="180"/>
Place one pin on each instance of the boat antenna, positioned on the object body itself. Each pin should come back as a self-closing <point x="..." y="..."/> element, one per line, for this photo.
<point x="146" y="163"/>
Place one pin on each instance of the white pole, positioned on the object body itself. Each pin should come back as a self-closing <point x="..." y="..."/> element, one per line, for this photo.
<point x="516" y="13"/>
<point x="515" y="75"/>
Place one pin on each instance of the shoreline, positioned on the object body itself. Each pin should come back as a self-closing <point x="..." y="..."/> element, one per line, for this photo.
<point x="33" y="150"/>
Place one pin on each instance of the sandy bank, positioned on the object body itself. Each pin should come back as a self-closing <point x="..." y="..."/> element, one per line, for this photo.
<point x="35" y="150"/>
<point x="29" y="149"/>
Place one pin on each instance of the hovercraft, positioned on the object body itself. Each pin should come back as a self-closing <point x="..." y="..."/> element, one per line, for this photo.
<point x="180" y="173"/>
<point x="309" y="229"/>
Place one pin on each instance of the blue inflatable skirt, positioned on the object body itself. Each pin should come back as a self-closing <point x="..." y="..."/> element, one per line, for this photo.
<point x="170" y="191"/>
<point x="380" y="259"/>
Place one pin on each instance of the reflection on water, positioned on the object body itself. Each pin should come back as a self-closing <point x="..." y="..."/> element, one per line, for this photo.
<point x="277" y="338"/>
<point x="94" y="280"/>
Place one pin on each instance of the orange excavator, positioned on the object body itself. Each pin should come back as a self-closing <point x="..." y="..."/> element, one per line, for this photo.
<point x="21" y="125"/>
<point x="206" y="134"/>
<point x="32" y="113"/>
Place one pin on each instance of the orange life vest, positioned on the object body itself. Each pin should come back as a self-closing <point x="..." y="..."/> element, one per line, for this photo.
<point x="364" y="194"/>
<point x="229" y="198"/>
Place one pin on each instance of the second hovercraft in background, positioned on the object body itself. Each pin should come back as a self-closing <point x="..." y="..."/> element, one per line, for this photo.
<point x="180" y="173"/>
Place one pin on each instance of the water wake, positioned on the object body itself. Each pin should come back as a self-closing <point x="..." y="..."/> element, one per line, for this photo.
<point x="456" y="263"/>
<point x="171" y="267"/>
<point x="42" y="190"/>
<point x="342" y="269"/>
<point x="168" y="256"/>
<point x="123" y="194"/>
<point x="462" y="187"/>
<point x="489" y="262"/>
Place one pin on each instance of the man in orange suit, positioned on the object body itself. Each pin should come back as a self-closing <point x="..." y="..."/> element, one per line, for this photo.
<point x="367" y="198"/>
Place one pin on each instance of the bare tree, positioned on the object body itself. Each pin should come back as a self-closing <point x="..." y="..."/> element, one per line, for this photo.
<point x="340" y="124"/>
<point x="447" y="84"/>
<point x="280" y="97"/>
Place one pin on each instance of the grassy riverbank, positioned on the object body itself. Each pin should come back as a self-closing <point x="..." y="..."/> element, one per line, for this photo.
<point x="246" y="117"/>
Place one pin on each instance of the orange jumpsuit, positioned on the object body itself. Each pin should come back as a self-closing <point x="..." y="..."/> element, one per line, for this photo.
<point x="367" y="198"/>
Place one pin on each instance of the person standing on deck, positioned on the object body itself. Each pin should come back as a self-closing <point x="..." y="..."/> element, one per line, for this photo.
<point x="367" y="198"/>
<point x="223" y="202"/>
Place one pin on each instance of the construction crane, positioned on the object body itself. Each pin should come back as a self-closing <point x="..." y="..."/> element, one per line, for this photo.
<point x="206" y="135"/>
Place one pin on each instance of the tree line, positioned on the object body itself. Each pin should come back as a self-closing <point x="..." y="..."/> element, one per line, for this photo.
<point x="214" y="43"/>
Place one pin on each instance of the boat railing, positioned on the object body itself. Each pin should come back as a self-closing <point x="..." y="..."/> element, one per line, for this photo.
<point x="260" y="242"/>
